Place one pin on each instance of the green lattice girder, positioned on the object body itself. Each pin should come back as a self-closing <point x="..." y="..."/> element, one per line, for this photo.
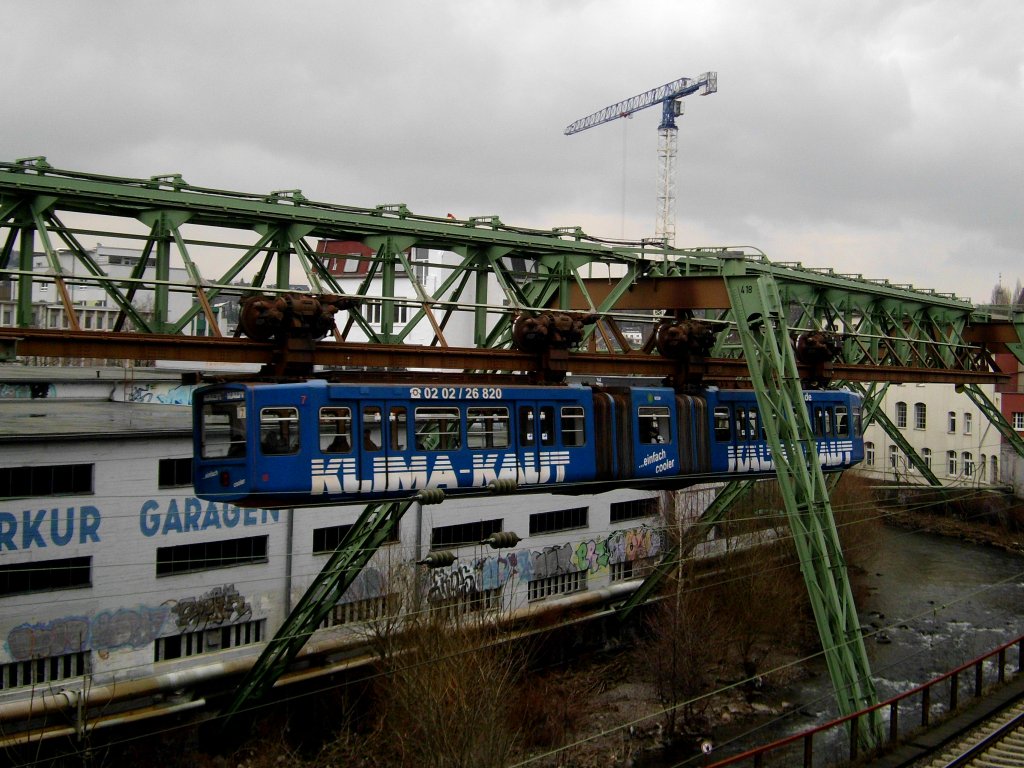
<point x="759" y="312"/>
<point x="882" y="323"/>
<point x="995" y="417"/>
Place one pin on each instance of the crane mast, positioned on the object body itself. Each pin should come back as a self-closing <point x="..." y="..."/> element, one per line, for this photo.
<point x="670" y="97"/>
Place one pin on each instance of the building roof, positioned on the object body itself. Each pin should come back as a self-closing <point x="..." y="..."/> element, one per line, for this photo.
<point x="55" y="419"/>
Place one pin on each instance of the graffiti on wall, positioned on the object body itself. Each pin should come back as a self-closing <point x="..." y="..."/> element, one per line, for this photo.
<point x="126" y="627"/>
<point x="123" y="628"/>
<point x="221" y="605"/>
<point x="163" y="394"/>
<point x="591" y="555"/>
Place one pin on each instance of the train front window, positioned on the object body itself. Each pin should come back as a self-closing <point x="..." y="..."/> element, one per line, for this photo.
<point x="223" y="427"/>
<point x="573" y="426"/>
<point x="487" y="427"/>
<point x="437" y="428"/>
<point x="336" y="430"/>
<point x="279" y="430"/>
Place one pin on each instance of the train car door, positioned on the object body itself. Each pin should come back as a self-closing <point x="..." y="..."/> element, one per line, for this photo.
<point x="372" y="444"/>
<point x="535" y="433"/>
<point x="282" y="457"/>
<point x="655" y="448"/>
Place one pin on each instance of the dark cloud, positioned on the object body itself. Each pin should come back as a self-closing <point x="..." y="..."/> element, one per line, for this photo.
<point x="882" y="135"/>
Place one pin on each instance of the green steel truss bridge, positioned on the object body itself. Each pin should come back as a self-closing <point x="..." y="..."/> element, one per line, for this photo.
<point x="544" y="304"/>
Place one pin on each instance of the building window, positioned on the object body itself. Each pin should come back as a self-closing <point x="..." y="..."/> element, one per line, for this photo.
<point x="869" y="454"/>
<point x="926" y="455"/>
<point x="920" y="416"/>
<point x="631" y="569"/>
<point x="326" y="540"/>
<point x="967" y="423"/>
<point x="43" y="670"/>
<point x="464" y="533"/>
<point x="559" y="520"/>
<point x="207" y="555"/>
<point x="968" y="460"/>
<point x="60" y="480"/>
<point x="952" y="422"/>
<point x="951" y="463"/>
<point x="358" y="611"/>
<point x="209" y="640"/>
<point x="632" y="510"/>
<point x="1018" y="420"/>
<point x="45" y="575"/>
<point x="993" y="475"/>
<point x="901" y="415"/>
<point x="175" y="473"/>
<point x="562" y="584"/>
<point x="893" y="456"/>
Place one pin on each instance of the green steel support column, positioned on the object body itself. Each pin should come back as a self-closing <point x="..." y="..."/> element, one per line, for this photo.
<point x="880" y="417"/>
<point x="365" y="537"/>
<point x="481" y="278"/>
<point x="694" y="535"/>
<point x="995" y="417"/>
<point x="161" y="291"/>
<point x="26" y="245"/>
<point x="283" y="251"/>
<point x="761" y="322"/>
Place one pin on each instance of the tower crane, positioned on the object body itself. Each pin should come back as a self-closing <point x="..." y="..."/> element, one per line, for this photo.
<point x="670" y="97"/>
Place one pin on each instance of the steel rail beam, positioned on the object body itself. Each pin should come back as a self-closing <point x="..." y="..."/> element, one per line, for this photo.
<point x="384" y="357"/>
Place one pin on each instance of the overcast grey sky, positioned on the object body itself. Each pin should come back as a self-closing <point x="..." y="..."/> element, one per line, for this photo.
<point x="879" y="136"/>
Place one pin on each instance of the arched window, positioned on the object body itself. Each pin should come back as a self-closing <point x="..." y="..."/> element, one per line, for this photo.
<point x="926" y="454"/>
<point x="968" y="463"/>
<point x="951" y="463"/>
<point x="901" y="415"/>
<point x="869" y="454"/>
<point x="993" y="474"/>
<point x="893" y="456"/>
<point x="952" y="422"/>
<point x="920" y="416"/>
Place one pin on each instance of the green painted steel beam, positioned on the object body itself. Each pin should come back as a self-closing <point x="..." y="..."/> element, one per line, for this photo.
<point x="374" y="527"/>
<point x="761" y="319"/>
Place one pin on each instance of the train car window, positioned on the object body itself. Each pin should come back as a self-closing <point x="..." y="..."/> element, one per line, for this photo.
<point x="819" y="421"/>
<point x="371" y="428"/>
<point x="547" y="425"/>
<point x="828" y="422"/>
<point x="842" y="422"/>
<point x="655" y="424"/>
<point x="438" y="428"/>
<point x="751" y="429"/>
<point x="722" y="430"/>
<point x="573" y="423"/>
<point x="279" y="430"/>
<point x="336" y="430"/>
<point x="486" y="427"/>
<point x="526" y="425"/>
<point x="399" y="428"/>
<point x="223" y="430"/>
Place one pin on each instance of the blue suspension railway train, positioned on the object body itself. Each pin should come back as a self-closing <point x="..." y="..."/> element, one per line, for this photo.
<point x="315" y="442"/>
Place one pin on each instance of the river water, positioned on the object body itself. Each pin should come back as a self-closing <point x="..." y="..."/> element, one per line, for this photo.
<point x="933" y="603"/>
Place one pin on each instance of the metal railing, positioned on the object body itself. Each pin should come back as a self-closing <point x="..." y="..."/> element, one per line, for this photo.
<point x="905" y="714"/>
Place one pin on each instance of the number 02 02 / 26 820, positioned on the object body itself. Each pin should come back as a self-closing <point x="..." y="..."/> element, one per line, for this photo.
<point x="455" y="393"/>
